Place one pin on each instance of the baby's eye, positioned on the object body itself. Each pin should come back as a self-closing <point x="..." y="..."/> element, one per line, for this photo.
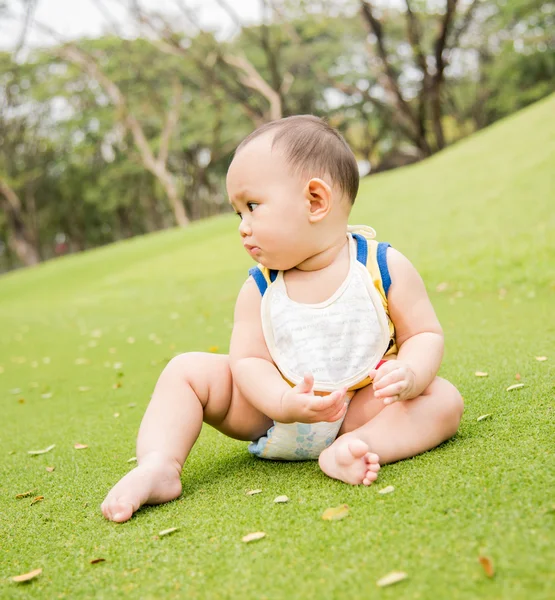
<point x="251" y="206"/>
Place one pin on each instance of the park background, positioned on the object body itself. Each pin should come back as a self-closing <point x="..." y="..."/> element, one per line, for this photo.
<point x="129" y="130"/>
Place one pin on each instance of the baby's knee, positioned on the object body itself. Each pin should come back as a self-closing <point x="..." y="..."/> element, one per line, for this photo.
<point x="452" y="405"/>
<point x="191" y="366"/>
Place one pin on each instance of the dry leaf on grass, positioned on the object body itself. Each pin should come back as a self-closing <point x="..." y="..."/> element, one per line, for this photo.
<point x="482" y="417"/>
<point x="35" y="452"/>
<point x="24" y="494"/>
<point x="252" y="537"/>
<point x="27" y="576"/>
<point x="132" y="459"/>
<point x="515" y="386"/>
<point x="487" y="565"/>
<point x="391" y="578"/>
<point x="50" y="469"/>
<point x="541" y="358"/>
<point x="95" y="561"/>
<point x="281" y="499"/>
<point x="46" y="396"/>
<point x="253" y="492"/>
<point x="168" y="531"/>
<point x="386" y="490"/>
<point x="336" y="513"/>
<point x="80" y="446"/>
<point x="481" y="374"/>
<point x="37" y="499"/>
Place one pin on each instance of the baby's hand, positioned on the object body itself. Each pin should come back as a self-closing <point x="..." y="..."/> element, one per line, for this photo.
<point x="300" y="405"/>
<point x="393" y="381"/>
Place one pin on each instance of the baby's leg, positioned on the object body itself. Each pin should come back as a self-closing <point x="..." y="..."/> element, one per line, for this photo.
<point x="193" y="387"/>
<point x="374" y="433"/>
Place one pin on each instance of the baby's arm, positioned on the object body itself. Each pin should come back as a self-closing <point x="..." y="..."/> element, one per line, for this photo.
<point x="258" y="379"/>
<point x="418" y="333"/>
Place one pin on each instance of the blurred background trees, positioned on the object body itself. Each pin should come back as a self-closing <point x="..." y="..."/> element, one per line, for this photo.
<point x="102" y="139"/>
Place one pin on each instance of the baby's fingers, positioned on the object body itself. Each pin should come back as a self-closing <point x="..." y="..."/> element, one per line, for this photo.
<point x="330" y="403"/>
<point x="339" y="414"/>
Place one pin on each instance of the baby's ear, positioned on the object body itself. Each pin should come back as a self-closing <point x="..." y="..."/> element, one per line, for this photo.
<point x="319" y="194"/>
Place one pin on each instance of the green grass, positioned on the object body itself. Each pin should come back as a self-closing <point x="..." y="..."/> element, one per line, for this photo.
<point x="480" y="218"/>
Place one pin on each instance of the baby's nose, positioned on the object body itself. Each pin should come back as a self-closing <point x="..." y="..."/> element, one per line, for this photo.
<point x="244" y="228"/>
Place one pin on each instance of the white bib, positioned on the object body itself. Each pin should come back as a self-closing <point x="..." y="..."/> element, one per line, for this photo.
<point x="338" y="340"/>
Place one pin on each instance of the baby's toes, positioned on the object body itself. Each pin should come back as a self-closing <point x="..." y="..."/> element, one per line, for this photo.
<point x="374" y="467"/>
<point x="369" y="477"/>
<point x="372" y="458"/>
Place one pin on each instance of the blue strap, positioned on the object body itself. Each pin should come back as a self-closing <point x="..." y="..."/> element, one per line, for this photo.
<point x="362" y="248"/>
<point x="382" y="264"/>
<point x="260" y="280"/>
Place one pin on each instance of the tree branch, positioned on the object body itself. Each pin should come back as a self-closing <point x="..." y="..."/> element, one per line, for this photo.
<point x="375" y="27"/>
<point x="171" y="123"/>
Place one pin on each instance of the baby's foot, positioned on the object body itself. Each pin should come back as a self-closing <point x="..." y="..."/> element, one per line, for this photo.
<point x="154" y="481"/>
<point x="350" y="460"/>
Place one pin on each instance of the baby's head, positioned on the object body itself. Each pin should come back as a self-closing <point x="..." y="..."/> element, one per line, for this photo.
<point x="293" y="182"/>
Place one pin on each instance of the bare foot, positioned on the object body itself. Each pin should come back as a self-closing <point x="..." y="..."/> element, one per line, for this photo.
<point x="154" y="481"/>
<point x="350" y="460"/>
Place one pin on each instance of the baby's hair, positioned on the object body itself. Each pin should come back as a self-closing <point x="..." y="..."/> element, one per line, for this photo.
<point x="313" y="148"/>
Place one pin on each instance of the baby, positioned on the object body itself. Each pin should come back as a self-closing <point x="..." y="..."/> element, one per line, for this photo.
<point x="335" y="345"/>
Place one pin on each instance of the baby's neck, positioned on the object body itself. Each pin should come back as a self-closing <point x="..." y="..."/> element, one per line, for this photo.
<point x="324" y="258"/>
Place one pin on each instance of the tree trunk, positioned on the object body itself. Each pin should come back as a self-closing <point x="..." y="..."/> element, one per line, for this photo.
<point x="19" y="238"/>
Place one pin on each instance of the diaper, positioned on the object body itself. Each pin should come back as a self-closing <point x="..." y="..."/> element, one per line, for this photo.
<point x="297" y="441"/>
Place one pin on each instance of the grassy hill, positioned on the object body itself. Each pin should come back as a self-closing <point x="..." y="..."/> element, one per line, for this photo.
<point x="83" y="339"/>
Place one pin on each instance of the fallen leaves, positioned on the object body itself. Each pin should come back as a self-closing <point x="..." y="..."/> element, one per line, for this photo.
<point x="24" y="495"/>
<point x="541" y="358"/>
<point x="50" y="469"/>
<point x="35" y="452"/>
<point x="132" y="459"/>
<point x="336" y="513"/>
<point x="168" y="531"/>
<point x="391" y="578"/>
<point x="83" y="388"/>
<point x="281" y="499"/>
<point x="95" y="561"/>
<point x="252" y="537"/>
<point x="27" y="576"/>
<point x="386" y="490"/>
<point x="482" y="417"/>
<point x="253" y="492"/>
<point x="80" y="446"/>
<point x="37" y="499"/>
<point x="481" y="374"/>
<point x="515" y="386"/>
<point x="487" y="565"/>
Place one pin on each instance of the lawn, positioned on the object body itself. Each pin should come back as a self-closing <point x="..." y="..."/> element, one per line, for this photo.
<point x="83" y="339"/>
